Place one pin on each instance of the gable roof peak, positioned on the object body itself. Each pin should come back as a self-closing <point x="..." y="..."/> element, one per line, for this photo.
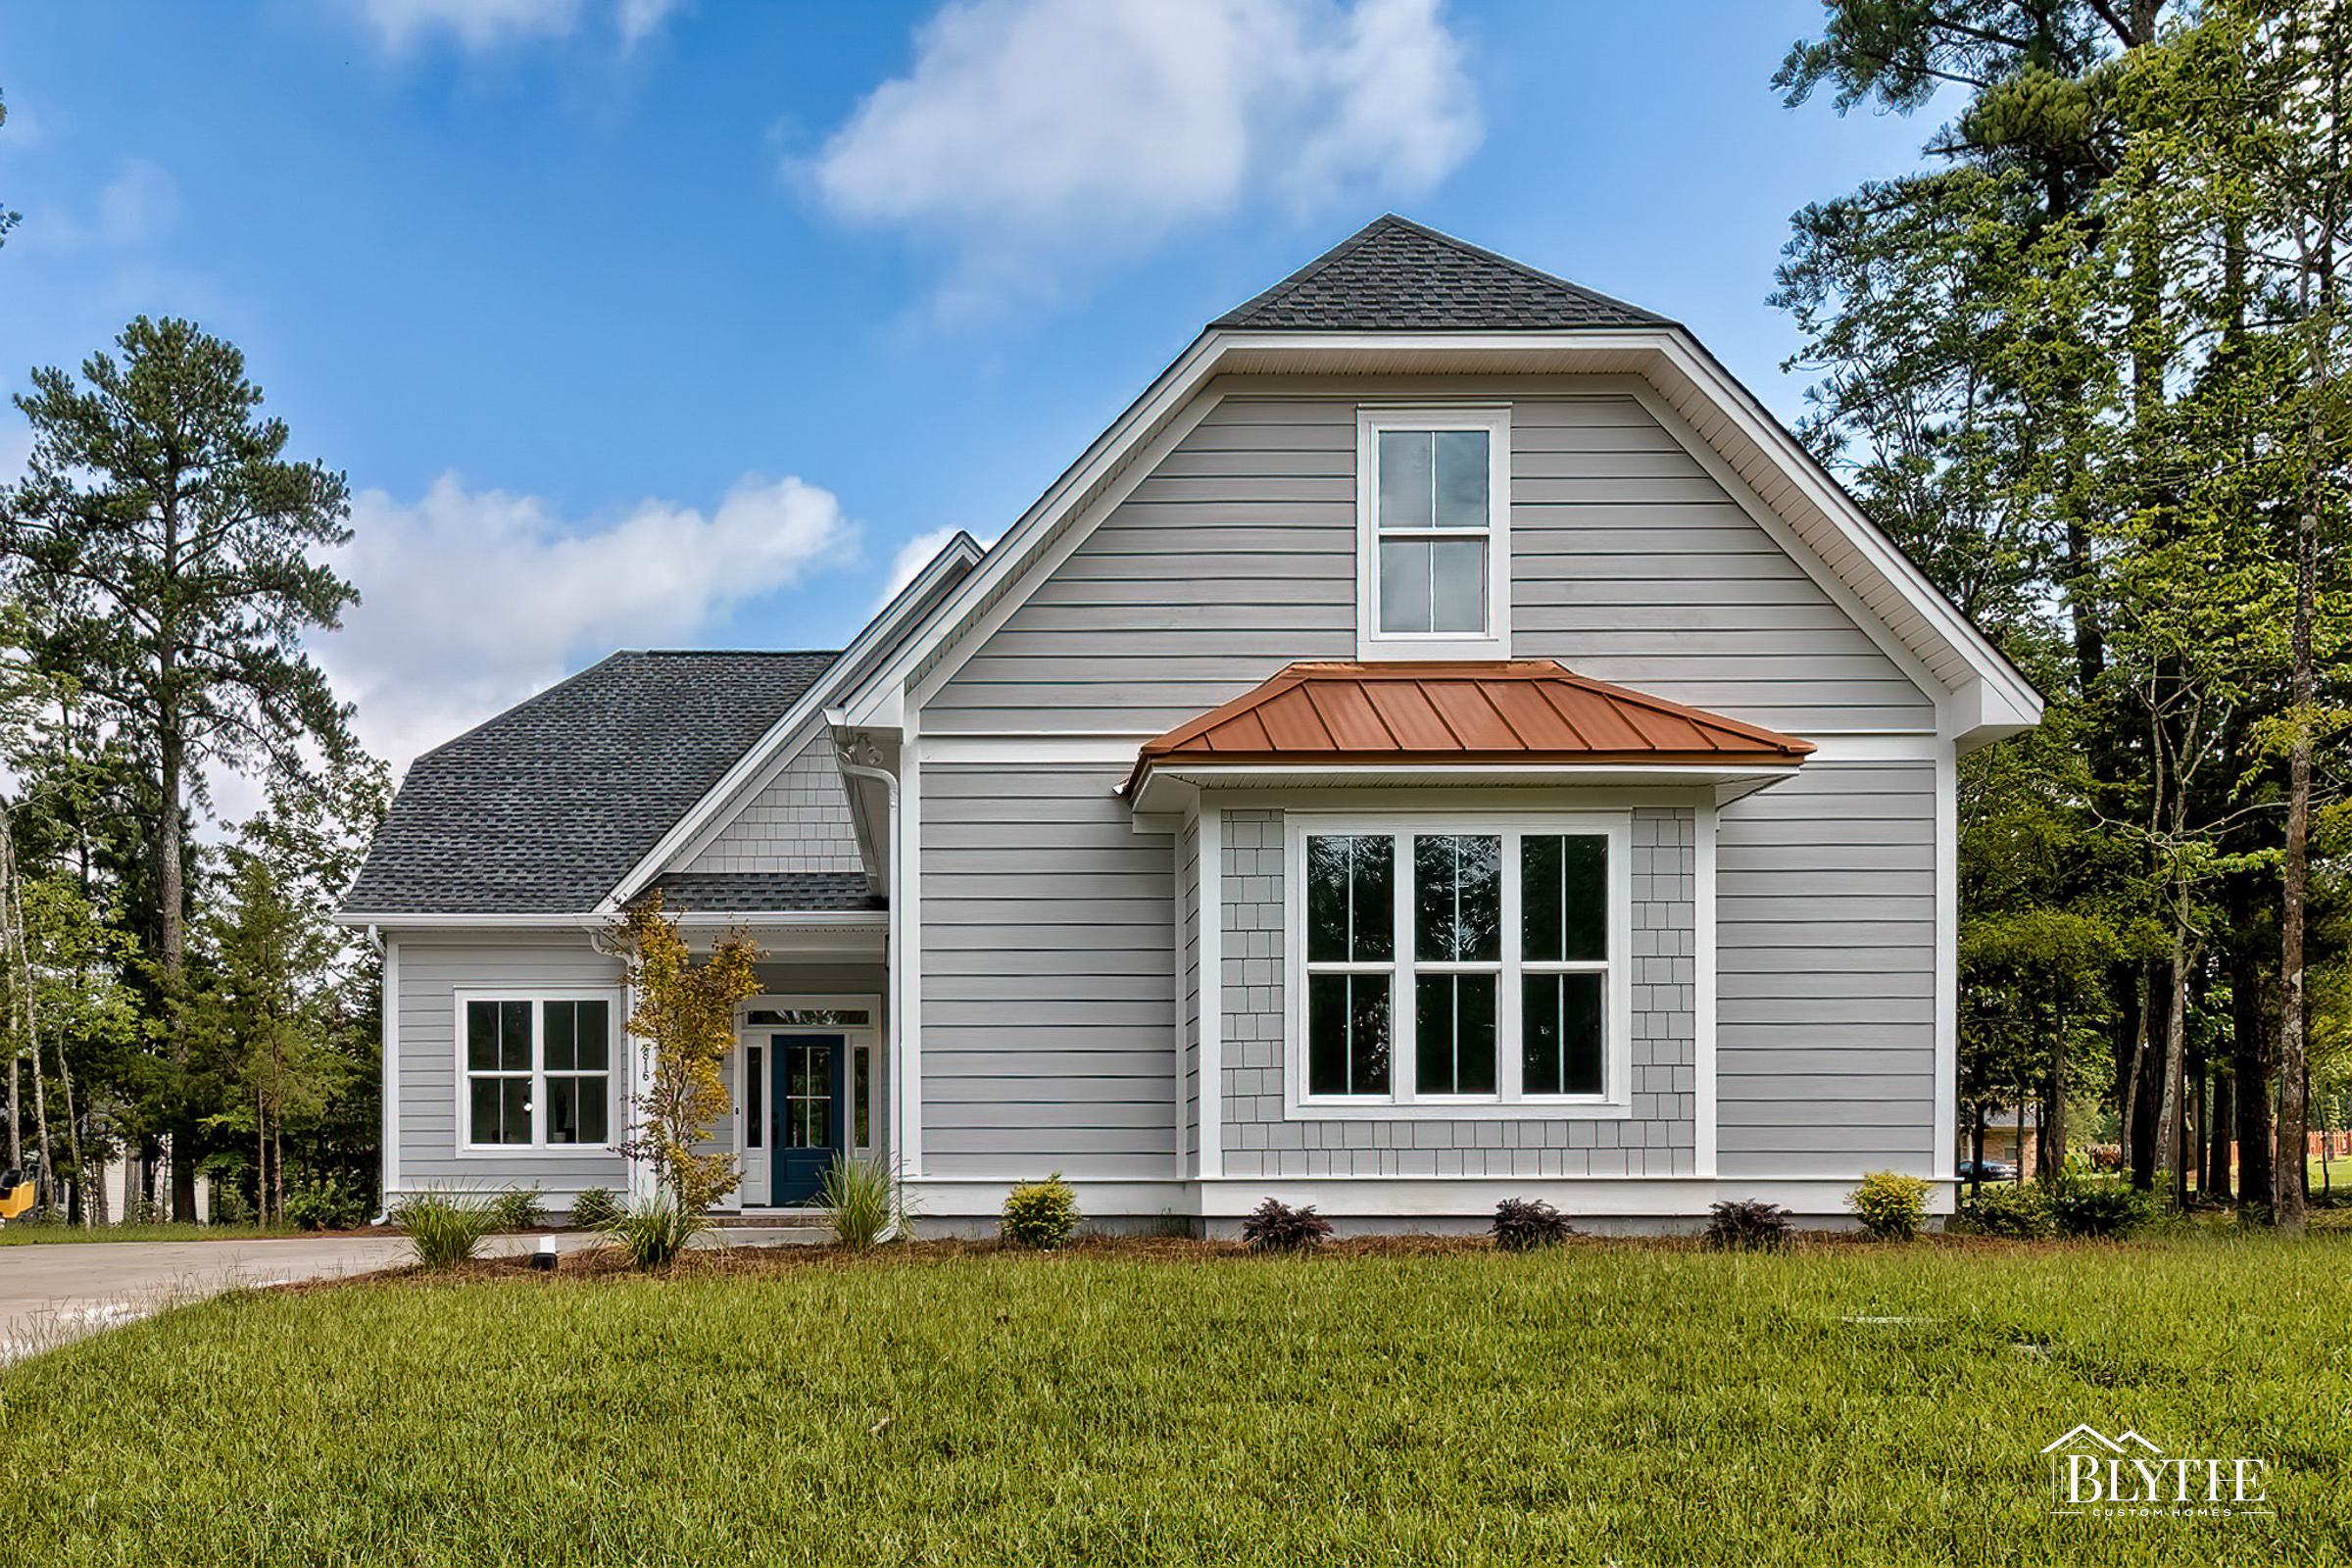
<point x="1394" y="275"/>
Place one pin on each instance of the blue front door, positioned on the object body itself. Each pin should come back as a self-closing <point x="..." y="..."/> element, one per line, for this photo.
<point x="809" y="1111"/>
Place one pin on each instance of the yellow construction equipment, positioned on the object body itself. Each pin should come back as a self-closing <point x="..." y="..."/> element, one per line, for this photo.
<point x="16" y="1192"/>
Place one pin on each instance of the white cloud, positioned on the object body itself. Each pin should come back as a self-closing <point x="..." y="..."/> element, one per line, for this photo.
<point x="913" y="557"/>
<point x="471" y="600"/>
<point x="140" y="203"/>
<point x="1027" y="127"/>
<point x="481" y="25"/>
<point x="134" y="208"/>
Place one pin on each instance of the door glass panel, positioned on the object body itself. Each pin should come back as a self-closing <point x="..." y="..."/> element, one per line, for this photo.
<point x="808" y="1096"/>
<point x="752" y="1121"/>
<point x="862" y="1094"/>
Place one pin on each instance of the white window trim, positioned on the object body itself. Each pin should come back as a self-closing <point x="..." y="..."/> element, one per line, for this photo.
<point x="615" y="1021"/>
<point x="1613" y="1103"/>
<point x="1371" y="643"/>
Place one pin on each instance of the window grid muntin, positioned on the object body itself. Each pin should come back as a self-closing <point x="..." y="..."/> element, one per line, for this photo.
<point x="1511" y="970"/>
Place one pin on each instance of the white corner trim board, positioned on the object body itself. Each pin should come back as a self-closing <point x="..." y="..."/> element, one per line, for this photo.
<point x="1212" y="1114"/>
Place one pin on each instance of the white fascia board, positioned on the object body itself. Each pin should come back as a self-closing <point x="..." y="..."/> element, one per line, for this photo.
<point x="767" y="753"/>
<point x="594" y="921"/>
<point x="2007" y="697"/>
<point x="1164" y="785"/>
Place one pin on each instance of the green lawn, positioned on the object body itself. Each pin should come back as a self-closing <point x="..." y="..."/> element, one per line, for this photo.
<point x="1628" y="1402"/>
<point x="23" y="1235"/>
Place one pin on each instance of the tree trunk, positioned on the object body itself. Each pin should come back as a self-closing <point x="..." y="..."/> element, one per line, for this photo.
<point x="2223" y="1125"/>
<point x="2168" y="1115"/>
<point x="2054" y="1109"/>
<point x="2147" y="1078"/>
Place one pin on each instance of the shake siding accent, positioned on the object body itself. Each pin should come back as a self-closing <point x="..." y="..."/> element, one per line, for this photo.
<point x="430" y="977"/>
<point x="799" y="822"/>
<point x="1658" y="1139"/>
<point x="1238" y="556"/>
<point x="1048" y="976"/>
<point x="1825" y="1032"/>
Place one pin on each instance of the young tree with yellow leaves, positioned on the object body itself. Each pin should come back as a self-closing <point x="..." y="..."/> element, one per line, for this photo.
<point x="685" y="1015"/>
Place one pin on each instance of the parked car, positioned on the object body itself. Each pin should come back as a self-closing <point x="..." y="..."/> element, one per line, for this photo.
<point x="1986" y="1171"/>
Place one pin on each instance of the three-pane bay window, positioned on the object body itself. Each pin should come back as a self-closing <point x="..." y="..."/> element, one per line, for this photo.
<point x="538" y="1071"/>
<point x="1457" y="965"/>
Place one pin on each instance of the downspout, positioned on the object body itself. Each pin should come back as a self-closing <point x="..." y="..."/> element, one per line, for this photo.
<point x="375" y="940"/>
<point x="896" y="954"/>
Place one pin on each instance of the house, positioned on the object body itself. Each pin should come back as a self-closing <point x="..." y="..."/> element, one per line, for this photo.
<point x="1444" y="742"/>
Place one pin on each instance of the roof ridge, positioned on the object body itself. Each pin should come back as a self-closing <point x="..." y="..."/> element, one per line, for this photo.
<point x="1369" y="301"/>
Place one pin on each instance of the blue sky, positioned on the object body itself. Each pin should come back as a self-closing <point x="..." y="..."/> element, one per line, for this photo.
<point x="685" y="322"/>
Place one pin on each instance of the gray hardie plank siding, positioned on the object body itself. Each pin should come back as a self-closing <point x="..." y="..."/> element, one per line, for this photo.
<point x="1658" y="1139"/>
<point x="430" y="977"/>
<point x="799" y="822"/>
<point x="1825" y="979"/>
<point x="1238" y="556"/>
<point x="1048" y="980"/>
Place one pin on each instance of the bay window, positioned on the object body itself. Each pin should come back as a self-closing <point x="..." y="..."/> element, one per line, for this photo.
<point x="1452" y="962"/>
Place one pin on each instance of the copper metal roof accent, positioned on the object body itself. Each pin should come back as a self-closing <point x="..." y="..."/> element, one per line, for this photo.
<point x="1515" y="711"/>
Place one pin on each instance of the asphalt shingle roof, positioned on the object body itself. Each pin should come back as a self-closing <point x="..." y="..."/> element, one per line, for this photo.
<point x="727" y="892"/>
<point x="548" y="806"/>
<point x="1394" y="275"/>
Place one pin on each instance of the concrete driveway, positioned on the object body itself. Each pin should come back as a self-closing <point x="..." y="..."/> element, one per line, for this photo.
<point x="51" y="1292"/>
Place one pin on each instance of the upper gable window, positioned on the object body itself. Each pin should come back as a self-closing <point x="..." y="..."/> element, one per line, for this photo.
<point x="1433" y="527"/>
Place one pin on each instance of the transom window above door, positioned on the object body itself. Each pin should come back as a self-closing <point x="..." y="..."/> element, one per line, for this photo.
<point x="1452" y="962"/>
<point x="1433" y="503"/>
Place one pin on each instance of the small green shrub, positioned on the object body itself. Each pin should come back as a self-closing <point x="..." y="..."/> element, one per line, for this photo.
<point x="594" y="1210"/>
<point x="2004" y="1208"/>
<point x="2095" y="1209"/>
<point x="230" y="1205"/>
<point x="445" y="1228"/>
<point x="653" y="1233"/>
<point x="861" y="1201"/>
<point x="1040" y="1214"/>
<point x="1747" y="1225"/>
<point x="520" y="1209"/>
<point x="335" y="1202"/>
<point x="1889" y="1205"/>
<point x="1521" y="1225"/>
<point x="1275" y="1227"/>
